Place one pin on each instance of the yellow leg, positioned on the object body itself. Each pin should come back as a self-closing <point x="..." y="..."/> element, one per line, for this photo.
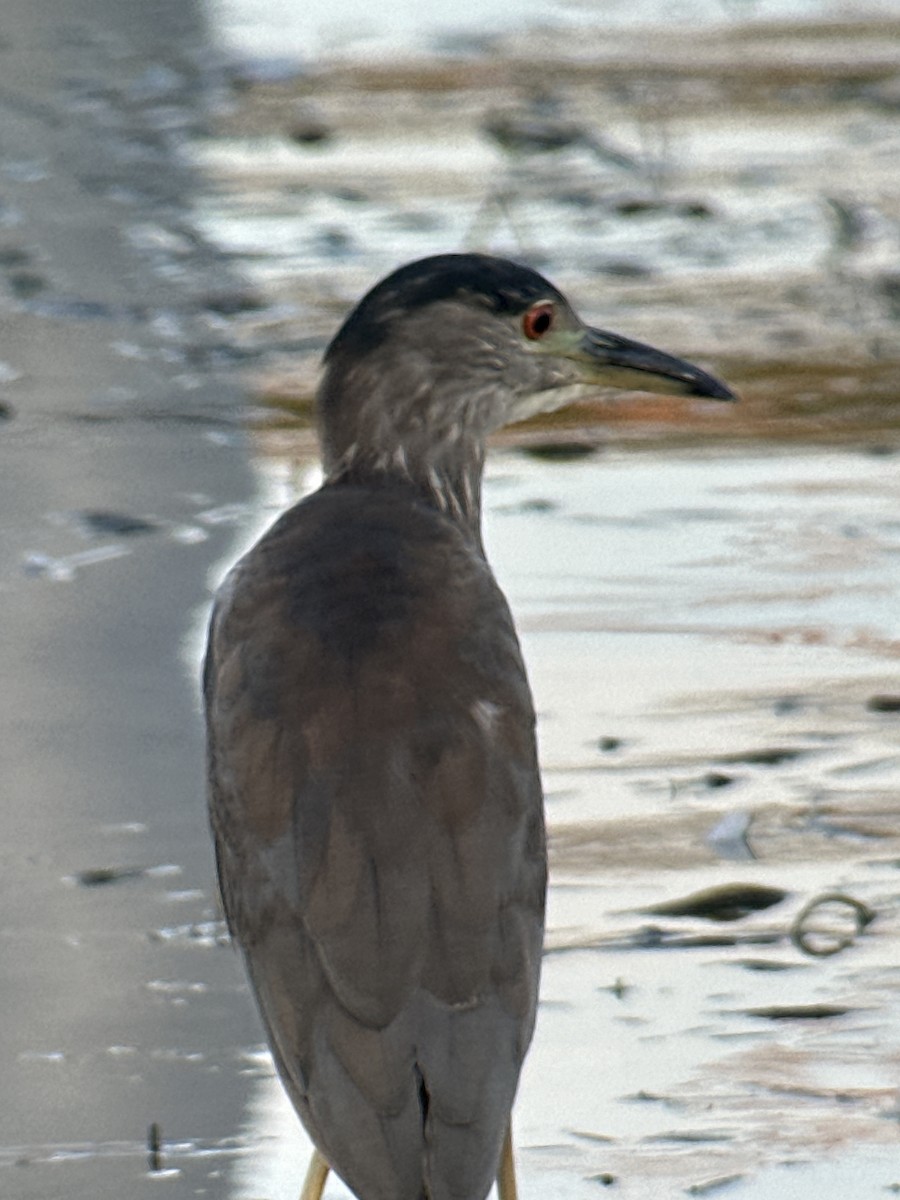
<point x="506" y="1177"/>
<point x="316" y="1174"/>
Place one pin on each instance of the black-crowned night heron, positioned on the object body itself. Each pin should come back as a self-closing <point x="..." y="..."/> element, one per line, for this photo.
<point x="374" y="783"/>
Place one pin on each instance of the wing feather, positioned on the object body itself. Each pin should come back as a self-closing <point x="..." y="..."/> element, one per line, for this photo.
<point x="378" y="817"/>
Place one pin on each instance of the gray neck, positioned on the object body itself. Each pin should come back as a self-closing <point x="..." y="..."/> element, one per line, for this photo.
<point x="376" y="440"/>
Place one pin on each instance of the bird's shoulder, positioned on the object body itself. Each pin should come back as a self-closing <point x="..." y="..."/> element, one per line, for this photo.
<point x="358" y="581"/>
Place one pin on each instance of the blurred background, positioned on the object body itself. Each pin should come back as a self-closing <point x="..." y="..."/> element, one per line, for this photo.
<point x="719" y="175"/>
<point x="192" y="195"/>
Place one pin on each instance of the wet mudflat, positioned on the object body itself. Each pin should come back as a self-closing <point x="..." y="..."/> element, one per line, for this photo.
<point x="708" y="600"/>
<point x="121" y="479"/>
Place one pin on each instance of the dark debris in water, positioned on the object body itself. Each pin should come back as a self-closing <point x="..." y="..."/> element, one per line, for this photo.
<point x="645" y="1097"/>
<point x="619" y="988"/>
<point x="728" y="902"/>
<point x="308" y="127"/>
<point x="708" y="1187"/>
<point x="883" y="703"/>
<point x="607" y="744"/>
<point x="799" y="1012"/>
<point x="537" y="505"/>
<point x="154" y="1147"/>
<point x="103" y="523"/>
<point x="690" y="1137"/>
<point x="638" y="206"/>
<point x="561" y="451"/>
<point x="588" y="1135"/>
<point x="767" y="757"/>
<point x="767" y="965"/>
<point x="717" y="779"/>
<point x="830" y="923"/>
<point x="101" y="876"/>
<point x="24" y="285"/>
<point x="654" y="937"/>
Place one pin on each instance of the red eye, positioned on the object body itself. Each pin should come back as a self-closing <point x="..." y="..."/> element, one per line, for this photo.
<point x="537" y="321"/>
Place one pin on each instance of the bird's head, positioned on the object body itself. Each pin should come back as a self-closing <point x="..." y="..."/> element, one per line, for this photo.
<point x="446" y="350"/>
